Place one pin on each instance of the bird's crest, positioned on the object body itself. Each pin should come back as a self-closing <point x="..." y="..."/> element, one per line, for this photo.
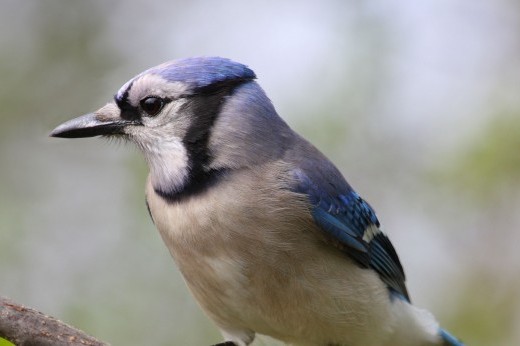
<point x="198" y="73"/>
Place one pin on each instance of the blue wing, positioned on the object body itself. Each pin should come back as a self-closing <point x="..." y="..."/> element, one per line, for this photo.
<point x="352" y="226"/>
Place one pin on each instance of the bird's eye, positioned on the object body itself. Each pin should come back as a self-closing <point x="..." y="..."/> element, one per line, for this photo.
<point x="152" y="105"/>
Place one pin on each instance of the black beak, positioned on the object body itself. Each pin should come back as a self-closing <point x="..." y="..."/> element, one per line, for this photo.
<point x="104" y="122"/>
<point x="89" y="125"/>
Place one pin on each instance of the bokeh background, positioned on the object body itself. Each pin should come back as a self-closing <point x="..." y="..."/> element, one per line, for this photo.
<point x="417" y="102"/>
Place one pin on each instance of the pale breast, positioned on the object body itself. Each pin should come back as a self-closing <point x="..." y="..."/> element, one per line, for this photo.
<point x="252" y="258"/>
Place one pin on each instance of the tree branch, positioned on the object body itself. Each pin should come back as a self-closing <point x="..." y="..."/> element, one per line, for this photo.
<point x="27" y="327"/>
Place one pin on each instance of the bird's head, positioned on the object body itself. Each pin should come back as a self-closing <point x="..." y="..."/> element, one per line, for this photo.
<point x="192" y="118"/>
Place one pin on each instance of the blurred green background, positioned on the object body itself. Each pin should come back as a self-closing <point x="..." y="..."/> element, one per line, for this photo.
<point x="418" y="103"/>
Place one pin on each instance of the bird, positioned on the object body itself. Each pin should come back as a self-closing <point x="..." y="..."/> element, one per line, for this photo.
<point x="269" y="236"/>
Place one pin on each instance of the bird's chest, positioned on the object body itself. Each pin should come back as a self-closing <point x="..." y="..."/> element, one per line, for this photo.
<point x="251" y="258"/>
<point x="239" y="218"/>
<point x="192" y="229"/>
<point x="196" y="234"/>
<point x="233" y="245"/>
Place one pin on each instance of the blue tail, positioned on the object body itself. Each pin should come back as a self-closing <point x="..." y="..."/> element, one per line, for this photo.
<point x="449" y="340"/>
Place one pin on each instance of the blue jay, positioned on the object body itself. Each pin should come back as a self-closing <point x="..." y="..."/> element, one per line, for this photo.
<point x="268" y="235"/>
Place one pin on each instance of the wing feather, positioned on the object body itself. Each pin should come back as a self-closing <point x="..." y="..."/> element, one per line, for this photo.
<point x="352" y="225"/>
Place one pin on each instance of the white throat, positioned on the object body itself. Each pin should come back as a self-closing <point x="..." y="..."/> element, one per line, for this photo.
<point x="168" y="163"/>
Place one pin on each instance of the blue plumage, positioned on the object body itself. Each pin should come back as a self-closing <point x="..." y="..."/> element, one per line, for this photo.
<point x="448" y="339"/>
<point x="346" y="218"/>
<point x="202" y="72"/>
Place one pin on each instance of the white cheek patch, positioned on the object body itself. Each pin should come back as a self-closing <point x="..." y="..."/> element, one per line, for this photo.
<point x="167" y="159"/>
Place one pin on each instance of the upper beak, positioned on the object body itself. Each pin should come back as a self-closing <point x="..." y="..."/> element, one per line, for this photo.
<point x="106" y="121"/>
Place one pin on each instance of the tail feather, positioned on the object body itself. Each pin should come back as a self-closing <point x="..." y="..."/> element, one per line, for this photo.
<point x="448" y="339"/>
